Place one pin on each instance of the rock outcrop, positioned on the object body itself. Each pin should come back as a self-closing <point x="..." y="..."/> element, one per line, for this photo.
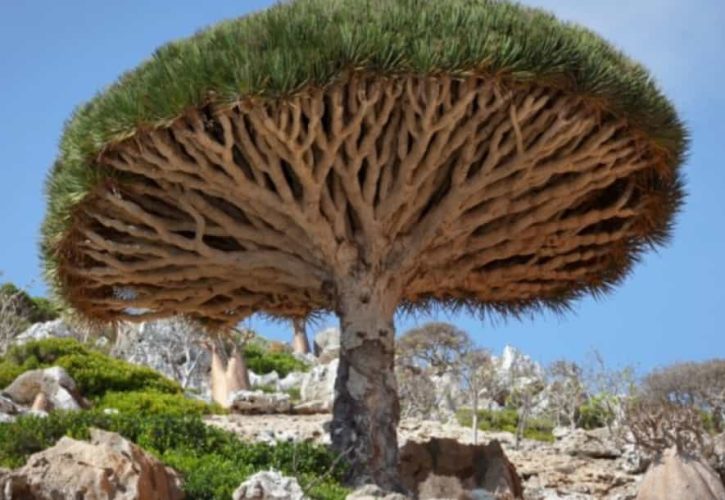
<point x="57" y="328"/>
<point x="260" y="402"/>
<point x="477" y="467"/>
<point x="318" y="385"/>
<point x="327" y="344"/>
<point x="678" y="476"/>
<point x="59" y="389"/>
<point x="593" y="444"/>
<point x="269" y="485"/>
<point x="107" y="467"/>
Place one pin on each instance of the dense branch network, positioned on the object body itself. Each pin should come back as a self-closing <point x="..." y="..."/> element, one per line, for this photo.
<point x="455" y="188"/>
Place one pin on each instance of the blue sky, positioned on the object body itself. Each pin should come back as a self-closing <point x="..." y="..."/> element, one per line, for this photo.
<point x="55" y="55"/>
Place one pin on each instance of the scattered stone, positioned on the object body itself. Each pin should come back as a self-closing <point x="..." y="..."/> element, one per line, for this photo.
<point x="260" y="402"/>
<point x="374" y="492"/>
<point x="54" y="382"/>
<point x="269" y="485"/>
<point x="108" y="466"/>
<point x="475" y="466"/>
<point x="596" y="443"/>
<point x="679" y="476"/>
<point x="544" y="469"/>
<point x="312" y="408"/>
<point x="327" y="344"/>
<point x="319" y="384"/>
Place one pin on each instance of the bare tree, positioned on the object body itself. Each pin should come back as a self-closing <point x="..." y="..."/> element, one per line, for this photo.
<point x="441" y="349"/>
<point x="527" y="389"/>
<point x="11" y="322"/>
<point x="416" y="392"/>
<point x="475" y="369"/>
<point x="565" y="391"/>
<point x="656" y="425"/>
<point x="612" y="388"/>
<point x="435" y="346"/>
<point x="700" y="385"/>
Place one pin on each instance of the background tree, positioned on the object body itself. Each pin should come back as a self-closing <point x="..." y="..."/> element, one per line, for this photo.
<point x="609" y="388"/>
<point x="527" y="391"/>
<point x="656" y="425"/>
<point x="300" y="344"/>
<point x="11" y="322"/>
<point x="400" y="153"/>
<point x="434" y="346"/>
<point x="700" y="385"/>
<point x="477" y="375"/>
<point x="565" y="391"/>
<point x="18" y="311"/>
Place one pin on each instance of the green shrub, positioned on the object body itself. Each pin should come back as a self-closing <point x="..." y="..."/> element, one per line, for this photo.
<point x="507" y="420"/>
<point x="294" y="394"/>
<point x="595" y="413"/>
<point x="94" y="372"/>
<point x="262" y="361"/>
<point x="212" y="461"/>
<point x="154" y="403"/>
<point x="9" y="372"/>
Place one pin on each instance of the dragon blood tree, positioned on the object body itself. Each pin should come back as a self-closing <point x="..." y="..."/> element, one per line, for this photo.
<point x="361" y="156"/>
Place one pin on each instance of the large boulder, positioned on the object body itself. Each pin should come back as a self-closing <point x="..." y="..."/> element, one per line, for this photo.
<point x="107" y="467"/>
<point x="269" y="485"/>
<point x="173" y="347"/>
<point x="678" y="476"/>
<point x="477" y="467"/>
<point x="293" y="380"/>
<point x="327" y="344"/>
<point x="596" y="443"/>
<point x="58" y="387"/>
<point x="318" y="385"/>
<point x="270" y="379"/>
<point x="259" y="402"/>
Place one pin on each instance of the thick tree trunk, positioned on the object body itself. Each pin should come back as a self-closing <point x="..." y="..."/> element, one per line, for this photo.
<point x="218" y="378"/>
<point x="366" y="409"/>
<point x="237" y="375"/>
<point x="300" y="344"/>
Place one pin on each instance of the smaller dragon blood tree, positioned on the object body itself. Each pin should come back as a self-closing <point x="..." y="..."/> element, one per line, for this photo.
<point x="358" y="157"/>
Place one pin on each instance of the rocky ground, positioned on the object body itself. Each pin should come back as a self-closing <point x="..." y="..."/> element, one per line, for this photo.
<point x="578" y="466"/>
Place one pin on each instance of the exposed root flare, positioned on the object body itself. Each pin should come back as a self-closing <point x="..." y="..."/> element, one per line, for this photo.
<point x="461" y="188"/>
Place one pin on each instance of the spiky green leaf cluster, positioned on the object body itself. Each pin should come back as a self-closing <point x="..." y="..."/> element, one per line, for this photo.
<point x="276" y="52"/>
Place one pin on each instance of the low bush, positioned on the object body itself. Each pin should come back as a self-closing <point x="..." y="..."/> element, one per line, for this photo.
<point x="94" y="372"/>
<point x="507" y="420"/>
<point x="213" y="462"/>
<point x="154" y="403"/>
<point x="262" y="361"/>
<point x="595" y="413"/>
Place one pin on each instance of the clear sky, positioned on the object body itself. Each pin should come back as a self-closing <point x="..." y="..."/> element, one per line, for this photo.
<point x="55" y="55"/>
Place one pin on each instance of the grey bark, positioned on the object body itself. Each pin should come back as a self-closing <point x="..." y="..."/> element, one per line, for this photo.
<point x="366" y="410"/>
